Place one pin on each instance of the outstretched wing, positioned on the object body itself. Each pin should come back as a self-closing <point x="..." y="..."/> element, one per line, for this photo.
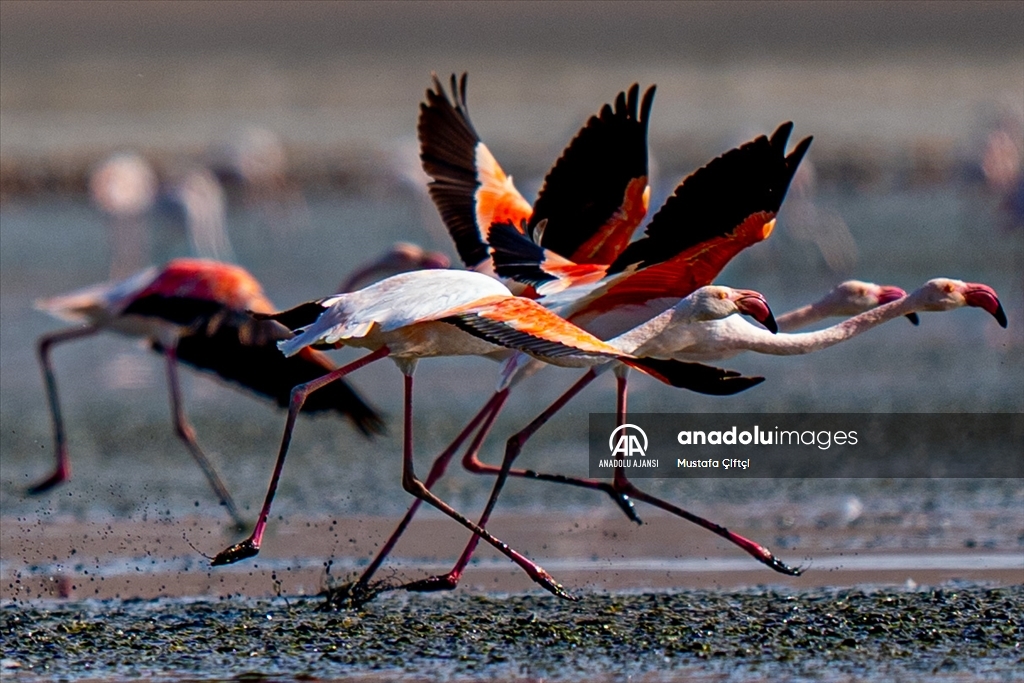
<point x="716" y="212"/>
<point x="595" y="196"/>
<point x="469" y="188"/>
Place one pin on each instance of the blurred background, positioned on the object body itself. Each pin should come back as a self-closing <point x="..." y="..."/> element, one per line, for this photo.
<point x="281" y="135"/>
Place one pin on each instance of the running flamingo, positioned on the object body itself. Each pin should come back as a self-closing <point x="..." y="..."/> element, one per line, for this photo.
<point x="695" y="329"/>
<point x="714" y="213"/>
<point x="193" y="310"/>
<point x="430" y="313"/>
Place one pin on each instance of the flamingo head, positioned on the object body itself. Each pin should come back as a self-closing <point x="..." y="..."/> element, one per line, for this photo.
<point x="944" y="294"/>
<point x="716" y="302"/>
<point x="854" y="297"/>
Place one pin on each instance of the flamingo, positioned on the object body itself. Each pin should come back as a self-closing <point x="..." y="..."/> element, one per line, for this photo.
<point x="714" y="213"/>
<point x="193" y="310"/>
<point x="124" y="188"/>
<point x="848" y="298"/>
<point x="430" y="313"/>
<point x="703" y="327"/>
<point x="722" y="207"/>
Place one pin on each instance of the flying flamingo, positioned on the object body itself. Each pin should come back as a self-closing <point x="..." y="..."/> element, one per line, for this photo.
<point x="714" y="213"/>
<point x="193" y="310"/>
<point x="846" y="299"/>
<point x="608" y="288"/>
<point x="430" y="313"/>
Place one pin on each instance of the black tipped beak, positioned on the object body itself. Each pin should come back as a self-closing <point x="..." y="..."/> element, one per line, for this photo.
<point x="913" y="318"/>
<point x="1000" y="316"/>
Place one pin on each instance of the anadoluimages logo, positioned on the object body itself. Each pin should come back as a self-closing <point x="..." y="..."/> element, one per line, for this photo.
<point x="627" y="445"/>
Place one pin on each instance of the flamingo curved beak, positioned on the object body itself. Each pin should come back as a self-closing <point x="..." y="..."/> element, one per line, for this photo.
<point x="889" y="293"/>
<point x="754" y="304"/>
<point x="983" y="296"/>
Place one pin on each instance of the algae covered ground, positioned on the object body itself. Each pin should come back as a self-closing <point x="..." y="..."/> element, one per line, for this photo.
<point x="963" y="632"/>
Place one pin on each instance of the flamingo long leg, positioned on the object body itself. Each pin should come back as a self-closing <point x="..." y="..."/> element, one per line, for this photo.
<point x="512" y="449"/>
<point x="471" y="462"/>
<point x="416" y="487"/>
<point x="184" y="430"/>
<point x="251" y="546"/>
<point x="62" y="471"/>
<point x="489" y="412"/>
<point x="623" y="485"/>
<point x="622" y="489"/>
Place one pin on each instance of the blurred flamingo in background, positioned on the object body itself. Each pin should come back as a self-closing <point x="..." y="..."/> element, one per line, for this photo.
<point x="124" y="188"/>
<point x="128" y="191"/>
<point x="193" y="310"/>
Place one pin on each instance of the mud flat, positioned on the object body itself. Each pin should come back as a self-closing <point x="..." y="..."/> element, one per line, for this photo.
<point x="953" y="633"/>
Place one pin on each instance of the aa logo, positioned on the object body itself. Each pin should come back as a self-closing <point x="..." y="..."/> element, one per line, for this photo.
<point x="627" y="444"/>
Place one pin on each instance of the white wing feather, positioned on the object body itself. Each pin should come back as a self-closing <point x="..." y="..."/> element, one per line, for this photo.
<point x="392" y="303"/>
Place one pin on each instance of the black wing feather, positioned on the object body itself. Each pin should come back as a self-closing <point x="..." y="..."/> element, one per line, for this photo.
<point x="586" y="185"/>
<point x="448" y="151"/>
<point x="516" y="257"/>
<point x="716" y="198"/>
<point x="703" y="379"/>
<point x="505" y="335"/>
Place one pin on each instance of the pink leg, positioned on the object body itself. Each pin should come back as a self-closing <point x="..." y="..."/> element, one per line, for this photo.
<point x="623" y="485"/>
<point x="62" y="472"/>
<point x="251" y="546"/>
<point x="416" y="488"/>
<point x="472" y="463"/>
<point x="489" y="411"/>
<point x="512" y="449"/>
<point x="187" y="434"/>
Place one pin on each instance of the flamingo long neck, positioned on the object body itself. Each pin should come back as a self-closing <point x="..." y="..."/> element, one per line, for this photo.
<point x="683" y="313"/>
<point x="760" y="341"/>
<point x="802" y="317"/>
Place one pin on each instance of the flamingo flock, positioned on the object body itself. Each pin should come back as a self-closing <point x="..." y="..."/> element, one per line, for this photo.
<point x="558" y="282"/>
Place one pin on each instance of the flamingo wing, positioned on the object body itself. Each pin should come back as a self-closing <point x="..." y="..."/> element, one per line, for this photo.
<point x="715" y="213"/>
<point x="595" y="196"/>
<point x="518" y="258"/>
<point x="469" y="188"/>
<point x="244" y="351"/>
<point x="527" y="326"/>
<point x="697" y="377"/>
<point x="388" y="305"/>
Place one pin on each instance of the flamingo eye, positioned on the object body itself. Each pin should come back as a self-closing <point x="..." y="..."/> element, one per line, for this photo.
<point x="722" y="295"/>
<point x="948" y="288"/>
